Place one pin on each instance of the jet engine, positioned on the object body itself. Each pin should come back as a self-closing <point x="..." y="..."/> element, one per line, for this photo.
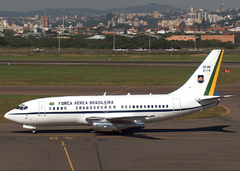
<point x="112" y="127"/>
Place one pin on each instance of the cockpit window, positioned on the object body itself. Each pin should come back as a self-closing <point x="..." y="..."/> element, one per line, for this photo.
<point x="22" y="107"/>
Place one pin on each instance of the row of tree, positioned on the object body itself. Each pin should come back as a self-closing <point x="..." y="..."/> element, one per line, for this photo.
<point x="120" y="42"/>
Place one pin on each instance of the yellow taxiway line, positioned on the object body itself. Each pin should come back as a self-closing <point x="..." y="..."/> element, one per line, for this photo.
<point x="69" y="160"/>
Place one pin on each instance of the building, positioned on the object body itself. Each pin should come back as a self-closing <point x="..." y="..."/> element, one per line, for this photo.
<point x="191" y="9"/>
<point x="5" y="23"/>
<point x="45" y="22"/>
<point x="235" y="29"/>
<point x="222" y="38"/>
<point x="213" y="18"/>
<point x="217" y="29"/>
<point x="223" y="8"/>
<point x="1" y="28"/>
<point x="182" y="37"/>
<point x="111" y="23"/>
<point x="121" y="20"/>
<point x="156" y="14"/>
<point x="191" y="15"/>
<point x="201" y="14"/>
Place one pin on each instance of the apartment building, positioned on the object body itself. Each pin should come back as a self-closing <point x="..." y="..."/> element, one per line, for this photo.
<point x="45" y="22"/>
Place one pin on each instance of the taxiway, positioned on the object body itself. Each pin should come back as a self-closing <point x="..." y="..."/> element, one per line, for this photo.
<point x="199" y="144"/>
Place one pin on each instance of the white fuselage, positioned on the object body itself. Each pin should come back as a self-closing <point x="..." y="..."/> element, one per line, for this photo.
<point x="74" y="110"/>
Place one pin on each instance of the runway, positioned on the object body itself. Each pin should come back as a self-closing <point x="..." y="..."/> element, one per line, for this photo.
<point x="200" y="144"/>
<point x="108" y="51"/>
<point x="135" y="63"/>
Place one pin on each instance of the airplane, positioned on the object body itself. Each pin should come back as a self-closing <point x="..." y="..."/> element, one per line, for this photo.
<point x="118" y="113"/>
<point x="171" y="50"/>
<point x="140" y="50"/>
<point x="38" y="50"/>
<point x="195" y="47"/>
<point x="120" y="50"/>
<point x="195" y="50"/>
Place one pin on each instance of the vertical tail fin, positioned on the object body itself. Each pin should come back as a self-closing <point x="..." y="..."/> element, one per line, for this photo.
<point x="204" y="79"/>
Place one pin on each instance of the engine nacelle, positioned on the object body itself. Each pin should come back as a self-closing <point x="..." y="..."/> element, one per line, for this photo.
<point x="112" y="127"/>
<point x="29" y="127"/>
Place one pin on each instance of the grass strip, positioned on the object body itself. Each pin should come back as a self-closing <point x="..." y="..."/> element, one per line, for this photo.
<point x="87" y="75"/>
<point x="183" y="57"/>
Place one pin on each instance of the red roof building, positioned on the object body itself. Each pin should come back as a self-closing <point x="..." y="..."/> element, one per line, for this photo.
<point x="223" y="38"/>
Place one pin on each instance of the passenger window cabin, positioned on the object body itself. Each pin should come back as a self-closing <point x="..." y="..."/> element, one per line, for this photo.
<point x="105" y="107"/>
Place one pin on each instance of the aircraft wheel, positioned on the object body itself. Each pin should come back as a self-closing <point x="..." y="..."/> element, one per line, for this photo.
<point x="120" y="132"/>
<point x="34" y="131"/>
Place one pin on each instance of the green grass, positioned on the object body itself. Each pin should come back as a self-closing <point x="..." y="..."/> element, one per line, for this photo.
<point x="83" y="75"/>
<point x="9" y="102"/>
<point x="228" y="57"/>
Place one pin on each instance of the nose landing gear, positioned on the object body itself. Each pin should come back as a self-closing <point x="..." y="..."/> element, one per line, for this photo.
<point x="33" y="128"/>
<point x="34" y="131"/>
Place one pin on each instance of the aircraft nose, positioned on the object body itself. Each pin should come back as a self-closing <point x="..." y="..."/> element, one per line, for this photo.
<point x="15" y="116"/>
<point x="7" y="116"/>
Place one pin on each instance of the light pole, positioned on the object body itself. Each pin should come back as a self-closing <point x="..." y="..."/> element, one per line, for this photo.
<point x="59" y="43"/>
<point x="149" y="48"/>
<point x="59" y="40"/>
<point x="63" y="18"/>
<point x="113" y="41"/>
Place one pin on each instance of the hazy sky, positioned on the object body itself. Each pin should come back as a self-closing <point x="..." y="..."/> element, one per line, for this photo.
<point x="31" y="5"/>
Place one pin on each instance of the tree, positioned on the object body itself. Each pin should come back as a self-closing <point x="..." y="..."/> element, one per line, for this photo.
<point x="109" y="16"/>
<point x="182" y="25"/>
<point x="9" y="33"/>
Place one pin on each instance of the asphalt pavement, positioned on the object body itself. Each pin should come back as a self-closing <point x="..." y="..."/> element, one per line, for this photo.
<point x="199" y="144"/>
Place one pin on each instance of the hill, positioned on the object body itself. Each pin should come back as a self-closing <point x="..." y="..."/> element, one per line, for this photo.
<point x="92" y="12"/>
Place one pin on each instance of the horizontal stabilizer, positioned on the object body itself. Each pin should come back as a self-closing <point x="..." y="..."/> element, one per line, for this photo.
<point x="206" y="98"/>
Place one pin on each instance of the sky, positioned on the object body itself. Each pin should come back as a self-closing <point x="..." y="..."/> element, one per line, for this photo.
<point x="32" y="5"/>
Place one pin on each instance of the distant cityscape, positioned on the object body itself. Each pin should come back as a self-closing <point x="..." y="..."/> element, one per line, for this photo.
<point x="222" y="21"/>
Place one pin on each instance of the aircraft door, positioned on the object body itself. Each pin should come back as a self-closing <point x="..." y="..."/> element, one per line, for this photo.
<point x="176" y="105"/>
<point x="41" y="108"/>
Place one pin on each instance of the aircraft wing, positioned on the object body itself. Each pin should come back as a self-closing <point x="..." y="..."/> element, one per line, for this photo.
<point x="195" y="50"/>
<point x="116" y="119"/>
<point x="118" y="123"/>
